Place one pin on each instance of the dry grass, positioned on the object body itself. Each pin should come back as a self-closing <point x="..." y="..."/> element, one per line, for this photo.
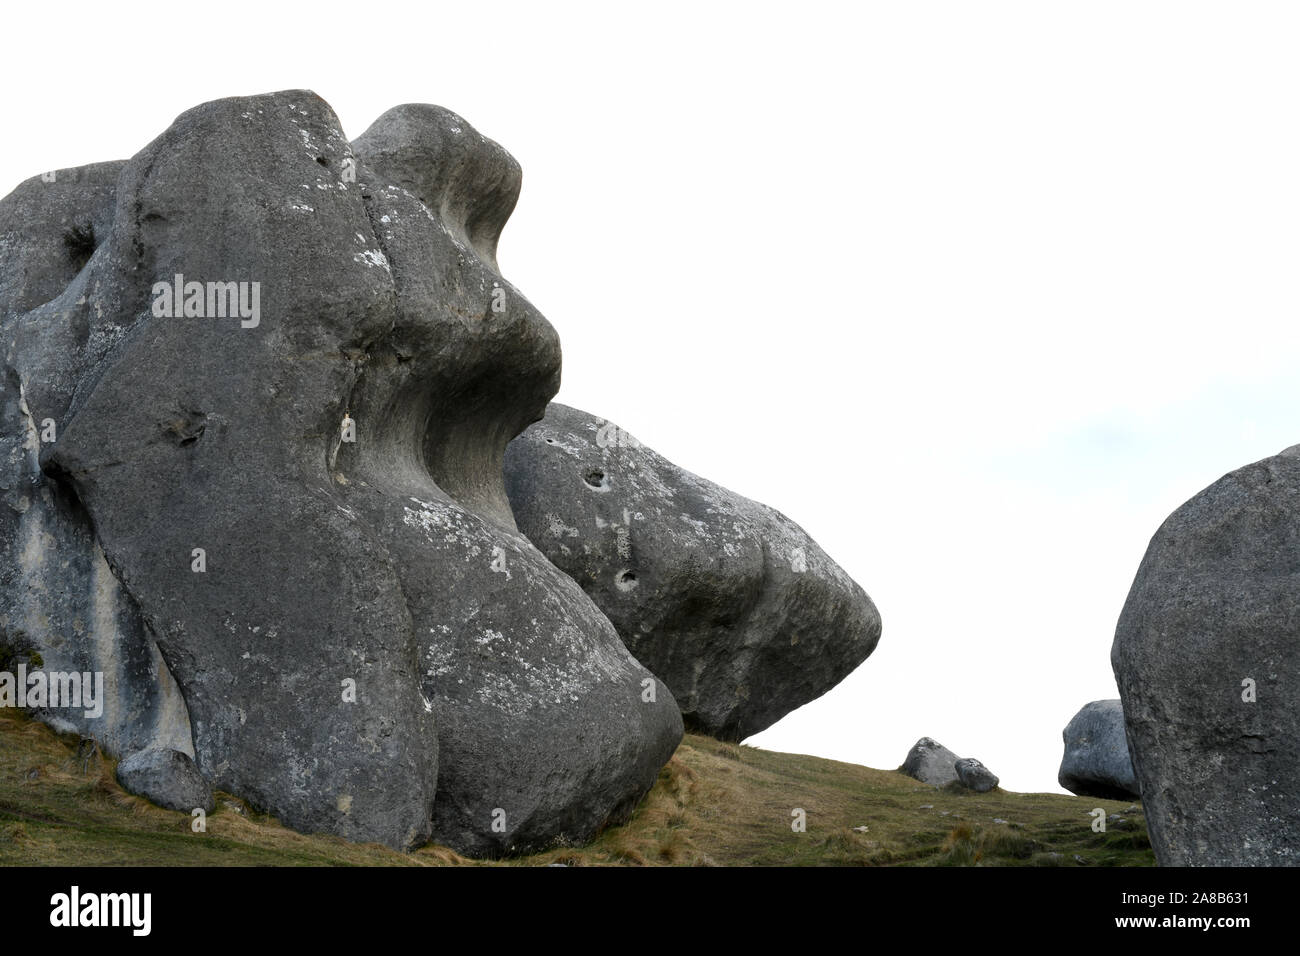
<point x="713" y="804"/>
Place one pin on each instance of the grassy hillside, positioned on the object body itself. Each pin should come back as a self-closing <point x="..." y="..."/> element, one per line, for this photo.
<point x="714" y="804"/>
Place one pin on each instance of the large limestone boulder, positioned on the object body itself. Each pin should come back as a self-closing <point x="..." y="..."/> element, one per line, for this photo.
<point x="1096" y="761"/>
<point x="726" y="599"/>
<point x="930" y="762"/>
<point x="1207" y="657"/>
<point x="282" y="380"/>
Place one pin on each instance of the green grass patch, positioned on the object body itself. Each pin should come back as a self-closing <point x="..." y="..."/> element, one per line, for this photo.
<point x="714" y="804"/>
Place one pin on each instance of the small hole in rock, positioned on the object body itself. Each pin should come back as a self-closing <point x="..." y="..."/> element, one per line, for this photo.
<point x="595" y="478"/>
<point x="322" y="160"/>
<point x="79" y="241"/>
<point x="626" y="580"/>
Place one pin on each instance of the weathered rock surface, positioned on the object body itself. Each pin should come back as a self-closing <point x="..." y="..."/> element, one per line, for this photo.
<point x="727" y="600"/>
<point x="59" y="601"/>
<point x="301" y="504"/>
<point x="167" y="778"/>
<point x="974" y="775"/>
<point x="1096" y="761"/>
<point x="930" y="762"/>
<point x="1207" y="657"/>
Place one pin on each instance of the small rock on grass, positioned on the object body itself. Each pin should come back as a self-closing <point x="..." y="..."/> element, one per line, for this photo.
<point x="975" y="775"/>
<point x="166" y="777"/>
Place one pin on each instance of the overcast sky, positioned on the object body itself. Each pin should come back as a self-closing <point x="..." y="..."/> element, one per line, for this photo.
<point x="978" y="293"/>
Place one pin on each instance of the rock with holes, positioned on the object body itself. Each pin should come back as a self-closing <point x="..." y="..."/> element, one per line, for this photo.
<point x="167" y="778"/>
<point x="930" y="762"/>
<point x="1096" y="761"/>
<point x="1207" y="658"/>
<point x="726" y="599"/>
<point x="282" y="386"/>
<point x="974" y="775"/>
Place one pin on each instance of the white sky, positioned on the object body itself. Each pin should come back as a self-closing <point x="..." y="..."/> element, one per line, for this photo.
<point x="976" y="293"/>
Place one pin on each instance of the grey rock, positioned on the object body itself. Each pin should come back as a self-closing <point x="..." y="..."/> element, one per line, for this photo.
<point x="1096" y="762"/>
<point x="50" y="225"/>
<point x="167" y="778"/>
<point x="1215" y="603"/>
<point x="930" y="762"/>
<point x="974" y="775"/>
<point x="727" y="600"/>
<point x="60" y="602"/>
<point x="369" y="629"/>
<point x="542" y="710"/>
